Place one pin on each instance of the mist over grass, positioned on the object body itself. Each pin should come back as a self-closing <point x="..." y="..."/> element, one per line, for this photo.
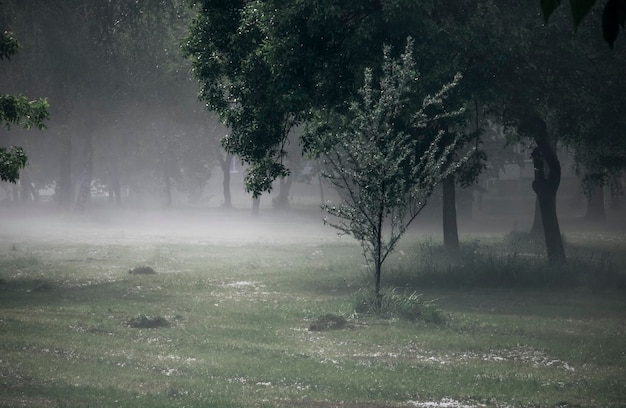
<point x="224" y="320"/>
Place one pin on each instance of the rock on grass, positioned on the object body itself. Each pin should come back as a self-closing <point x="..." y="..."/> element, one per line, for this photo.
<point x="147" y="322"/>
<point x="142" y="270"/>
<point x="328" y="322"/>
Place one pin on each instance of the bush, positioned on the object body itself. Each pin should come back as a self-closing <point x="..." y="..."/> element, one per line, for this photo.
<point x="397" y="304"/>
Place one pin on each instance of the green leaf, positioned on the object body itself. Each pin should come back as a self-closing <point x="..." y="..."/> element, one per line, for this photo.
<point x="8" y="45"/>
<point x="12" y="160"/>
<point x="580" y="8"/>
<point x="548" y="7"/>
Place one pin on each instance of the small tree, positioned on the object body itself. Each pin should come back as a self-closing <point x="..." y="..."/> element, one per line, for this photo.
<point x="385" y="155"/>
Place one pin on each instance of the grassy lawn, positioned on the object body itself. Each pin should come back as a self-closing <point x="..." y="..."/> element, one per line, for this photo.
<point x="233" y="323"/>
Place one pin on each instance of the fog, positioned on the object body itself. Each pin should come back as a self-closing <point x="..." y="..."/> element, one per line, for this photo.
<point x="128" y="227"/>
<point x="129" y="154"/>
<point x="106" y="224"/>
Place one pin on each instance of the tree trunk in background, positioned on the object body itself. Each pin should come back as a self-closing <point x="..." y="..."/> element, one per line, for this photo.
<point x="322" y="198"/>
<point x="282" y="200"/>
<point x="28" y="191"/>
<point x="616" y="193"/>
<point x="84" y="188"/>
<point x="168" y="186"/>
<point x="225" y="166"/>
<point x="595" y="204"/>
<point x="64" y="186"/>
<point x="536" y="231"/>
<point x="256" y="205"/>
<point x="450" y="230"/>
<point x="115" y="186"/>
<point x="15" y="188"/>
<point x="546" y="186"/>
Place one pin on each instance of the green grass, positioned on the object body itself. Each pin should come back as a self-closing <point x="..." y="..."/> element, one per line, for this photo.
<point x="238" y="316"/>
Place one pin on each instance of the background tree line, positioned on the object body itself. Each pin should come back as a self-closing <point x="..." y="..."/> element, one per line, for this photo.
<point x="123" y="109"/>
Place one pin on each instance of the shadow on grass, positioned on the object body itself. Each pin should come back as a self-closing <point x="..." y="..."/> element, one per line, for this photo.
<point x="61" y="395"/>
<point x="508" y="265"/>
<point x="32" y="291"/>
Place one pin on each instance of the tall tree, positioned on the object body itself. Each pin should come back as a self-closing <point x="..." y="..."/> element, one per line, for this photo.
<point x="263" y="66"/>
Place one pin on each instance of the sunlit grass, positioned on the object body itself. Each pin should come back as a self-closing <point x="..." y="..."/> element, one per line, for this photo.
<point x="237" y="332"/>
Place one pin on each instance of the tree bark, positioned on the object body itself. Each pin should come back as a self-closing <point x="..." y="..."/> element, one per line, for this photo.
<point x="546" y="187"/>
<point x="595" y="204"/>
<point x="450" y="229"/>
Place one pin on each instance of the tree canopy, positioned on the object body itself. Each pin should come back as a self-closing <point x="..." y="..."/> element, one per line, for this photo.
<point x="613" y="15"/>
<point x="265" y="66"/>
<point x="17" y="110"/>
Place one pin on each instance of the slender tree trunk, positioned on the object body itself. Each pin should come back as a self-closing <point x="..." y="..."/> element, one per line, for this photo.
<point x="450" y="229"/>
<point x="256" y="205"/>
<point x="64" y="188"/>
<point x="322" y="198"/>
<point x="616" y="193"/>
<point x="595" y="204"/>
<point x="378" y="260"/>
<point x="28" y="191"/>
<point x="168" y="186"/>
<point x="165" y="168"/>
<point x="225" y="166"/>
<point x="84" y="188"/>
<point x="546" y="187"/>
<point x="116" y="187"/>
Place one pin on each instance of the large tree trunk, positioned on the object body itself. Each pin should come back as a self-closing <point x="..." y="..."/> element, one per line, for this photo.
<point x="546" y="187"/>
<point x="595" y="204"/>
<point x="450" y="230"/>
<point x="225" y="166"/>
